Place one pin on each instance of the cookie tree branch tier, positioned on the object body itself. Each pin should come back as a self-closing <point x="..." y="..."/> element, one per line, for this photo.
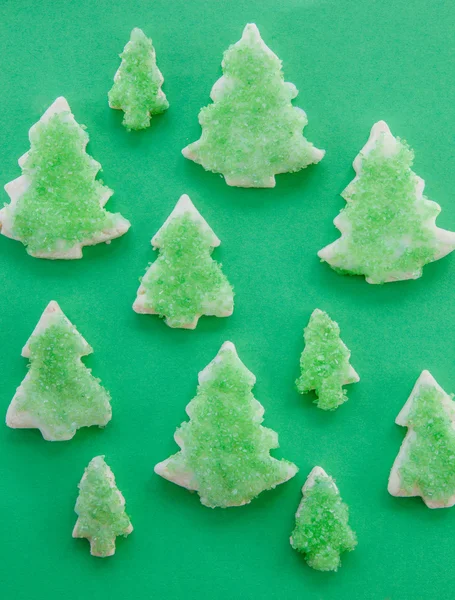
<point x="100" y="507"/>
<point x="184" y="282"/>
<point x="322" y="531"/>
<point x="59" y="394"/>
<point x="252" y="131"/>
<point x="137" y="83"/>
<point x="224" y="450"/>
<point x="57" y="204"/>
<point x="388" y="229"/>
<point x="425" y="465"/>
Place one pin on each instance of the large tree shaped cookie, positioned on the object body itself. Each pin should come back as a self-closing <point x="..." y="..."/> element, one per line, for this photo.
<point x="57" y="204"/>
<point x="252" y="131"/>
<point x="224" y="450"/>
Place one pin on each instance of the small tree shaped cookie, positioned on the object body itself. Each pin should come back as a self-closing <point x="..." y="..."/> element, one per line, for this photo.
<point x="184" y="282"/>
<point x="137" y="83"/>
<point x="425" y="465"/>
<point x="388" y="229"/>
<point x="59" y="394"/>
<point x="100" y="507"/>
<point x="325" y="363"/>
<point x="322" y="531"/>
<point x="252" y="132"/>
<point x="57" y="203"/>
<point x="224" y="450"/>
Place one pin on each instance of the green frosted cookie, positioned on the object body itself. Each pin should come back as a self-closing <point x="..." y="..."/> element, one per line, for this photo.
<point x="224" y="450"/>
<point x="322" y="531"/>
<point x="184" y="282"/>
<point x="100" y="508"/>
<point x="137" y="83"/>
<point x="388" y="229"/>
<point x="59" y="394"/>
<point x="425" y="465"/>
<point x="325" y="363"/>
<point x="252" y="131"/>
<point x="57" y="204"/>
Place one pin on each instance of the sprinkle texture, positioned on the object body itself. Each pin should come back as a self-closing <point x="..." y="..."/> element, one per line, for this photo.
<point x="322" y="531"/>
<point x="137" y="83"/>
<point x="225" y="451"/>
<point x="251" y="131"/>
<point x="101" y="509"/>
<point x="325" y="363"/>
<point x="388" y="226"/>
<point x="57" y="204"/>
<point x="425" y="465"/>
<point x="185" y="282"/>
<point x="59" y="394"/>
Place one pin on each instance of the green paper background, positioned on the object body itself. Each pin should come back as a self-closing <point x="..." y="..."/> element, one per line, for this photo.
<point x="354" y="63"/>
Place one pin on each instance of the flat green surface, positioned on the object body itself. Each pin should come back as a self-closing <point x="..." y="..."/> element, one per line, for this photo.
<point x="354" y="63"/>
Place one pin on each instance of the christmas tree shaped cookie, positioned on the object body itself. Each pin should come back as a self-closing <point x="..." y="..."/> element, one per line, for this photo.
<point x="57" y="204"/>
<point x="59" y="394"/>
<point x="100" y="508"/>
<point x="185" y="282"/>
<point x="224" y="450"/>
<point x="137" y="83"/>
<point x="252" y="131"/>
<point x="388" y="229"/>
<point x="425" y="465"/>
<point x="325" y="363"/>
<point x="322" y="531"/>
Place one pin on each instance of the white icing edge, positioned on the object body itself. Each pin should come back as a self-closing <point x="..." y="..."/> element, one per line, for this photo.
<point x="446" y="238"/>
<point x="17" y="187"/>
<point x="184" y="478"/>
<point x="394" y="485"/>
<point x="111" y="479"/>
<point x="222" y="85"/>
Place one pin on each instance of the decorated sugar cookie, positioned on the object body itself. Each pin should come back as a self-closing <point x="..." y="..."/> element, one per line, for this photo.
<point x="100" y="507"/>
<point x="224" y="450"/>
<point x="252" y="131"/>
<point x="388" y="229"/>
<point x="59" y="394"/>
<point x="184" y="282"/>
<point x="325" y="362"/>
<point x="425" y="465"/>
<point x="57" y="204"/>
<point x="137" y="83"/>
<point x="322" y="532"/>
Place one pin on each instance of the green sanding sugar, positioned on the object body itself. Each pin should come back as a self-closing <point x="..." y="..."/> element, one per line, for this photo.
<point x="388" y="230"/>
<point x="252" y="132"/>
<point x="185" y="282"/>
<point x="61" y="207"/>
<point x="428" y="463"/>
<point x="325" y="363"/>
<point x="59" y="392"/>
<point x="137" y="88"/>
<point x="101" y="509"/>
<point x="224" y="446"/>
<point x="322" y="531"/>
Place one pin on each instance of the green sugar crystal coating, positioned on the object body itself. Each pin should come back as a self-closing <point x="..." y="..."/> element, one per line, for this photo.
<point x="59" y="392"/>
<point x="324" y="362"/>
<point x="224" y="445"/>
<point x="430" y="461"/>
<point x="137" y="87"/>
<point x="322" y="531"/>
<point x="185" y="282"/>
<point x="61" y="207"/>
<point x="100" y="508"/>
<point x="252" y="131"/>
<point x="388" y="232"/>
